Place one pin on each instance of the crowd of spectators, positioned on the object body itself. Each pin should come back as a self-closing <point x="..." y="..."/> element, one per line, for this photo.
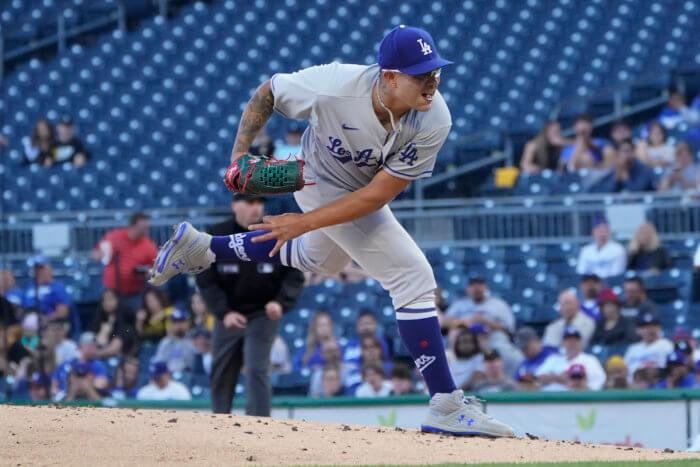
<point x="653" y="161"/>
<point x="49" y="146"/>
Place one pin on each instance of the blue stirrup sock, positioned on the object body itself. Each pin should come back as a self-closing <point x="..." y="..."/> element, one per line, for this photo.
<point x="239" y="246"/>
<point x="420" y="332"/>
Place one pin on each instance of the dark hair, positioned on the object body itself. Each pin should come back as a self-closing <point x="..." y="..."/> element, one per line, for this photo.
<point x="36" y="141"/>
<point x="401" y="371"/>
<point x="375" y="341"/>
<point x="637" y="281"/>
<point x="658" y="124"/>
<point x="620" y="123"/>
<point x="373" y="366"/>
<point x="160" y="295"/>
<point x="138" y="217"/>
<point x="584" y="117"/>
<point x="624" y="142"/>
<point x="367" y="312"/>
<point x="475" y="342"/>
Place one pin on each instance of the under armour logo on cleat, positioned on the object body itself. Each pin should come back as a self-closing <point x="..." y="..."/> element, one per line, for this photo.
<point x="178" y="264"/>
<point x="469" y="422"/>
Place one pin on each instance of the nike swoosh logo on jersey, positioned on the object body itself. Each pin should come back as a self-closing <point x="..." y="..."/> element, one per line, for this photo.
<point x="345" y="127"/>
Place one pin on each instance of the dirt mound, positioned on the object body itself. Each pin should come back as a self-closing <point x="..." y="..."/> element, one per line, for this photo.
<point x="102" y="436"/>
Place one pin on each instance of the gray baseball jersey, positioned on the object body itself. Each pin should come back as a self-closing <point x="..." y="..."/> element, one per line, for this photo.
<point x="345" y="145"/>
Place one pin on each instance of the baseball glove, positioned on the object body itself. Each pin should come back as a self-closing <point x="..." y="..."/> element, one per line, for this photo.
<point x="260" y="175"/>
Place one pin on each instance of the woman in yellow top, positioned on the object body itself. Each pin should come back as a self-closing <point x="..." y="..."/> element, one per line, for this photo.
<point x="152" y="319"/>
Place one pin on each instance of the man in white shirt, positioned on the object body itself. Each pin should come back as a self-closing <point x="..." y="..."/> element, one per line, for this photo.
<point x="604" y="256"/>
<point x="571" y="316"/>
<point x="161" y="387"/>
<point x="374" y="385"/>
<point x="552" y="375"/>
<point x="652" y="351"/>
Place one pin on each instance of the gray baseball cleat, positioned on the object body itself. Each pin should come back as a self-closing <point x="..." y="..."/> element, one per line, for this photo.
<point x="452" y="413"/>
<point x="186" y="251"/>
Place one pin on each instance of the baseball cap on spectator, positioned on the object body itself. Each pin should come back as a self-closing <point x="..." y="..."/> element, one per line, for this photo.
<point x="87" y="338"/>
<point x="409" y="50"/>
<point x="38" y="260"/>
<point x="523" y="336"/>
<point x="681" y="335"/>
<point x="675" y="358"/>
<point x="571" y="332"/>
<point x="683" y="346"/>
<point x="590" y="277"/>
<point x="39" y="379"/>
<point x="491" y="354"/>
<point x="157" y="369"/>
<point x="608" y="295"/>
<point x="179" y="315"/>
<point x="647" y="318"/>
<point x="30" y="322"/>
<point x="478" y="328"/>
<point x="66" y="119"/>
<point x="81" y="368"/>
<point x="247" y="197"/>
<point x="576" y="371"/>
<point x="615" y="361"/>
<point x="599" y="220"/>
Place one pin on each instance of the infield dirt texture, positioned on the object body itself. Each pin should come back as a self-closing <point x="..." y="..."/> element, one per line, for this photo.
<point x="50" y="435"/>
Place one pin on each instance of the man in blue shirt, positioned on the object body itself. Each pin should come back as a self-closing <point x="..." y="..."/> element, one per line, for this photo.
<point x="535" y="355"/>
<point x="84" y="377"/>
<point x="586" y="152"/>
<point x="628" y="174"/>
<point x="54" y="300"/>
<point x="677" y="373"/>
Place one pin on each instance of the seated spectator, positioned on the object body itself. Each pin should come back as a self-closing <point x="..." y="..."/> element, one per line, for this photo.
<point x="114" y="326"/>
<point x="68" y="148"/>
<point x="465" y="359"/>
<point x="330" y="353"/>
<point x="636" y="301"/>
<point x="56" y="337"/>
<point x="366" y="326"/>
<point x="320" y="329"/>
<point x="82" y="377"/>
<point x="38" y="149"/>
<point x="280" y="361"/>
<point x="576" y="378"/>
<point x="552" y="375"/>
<point x="176" y="348"/>
<point x="619" y="132"/>
<point x="152" y="319"/>
<point x="374" y="382"/>
<point x="535" y="353"/>
<point x="613" y="329"/>
<point x="19" y="354"/>
<point x="655" y="151"/>
<point x="591" y="286"/>
<point x="9" y="289"/>
<point x="628" y="174"/>
<point x="683" y="174"/>
<point x="617" y="373"/>
<point x="39" y="385"/>
<point x="494" y="377"/>
<point x="652" y="351"/>
<point x="586" y="151"/>
<point x="161" y="386"/>
<point x="401" y="380"/>
<point x="127" y="254"/>
<point x="291" y="146"/>
<point x="201" y="341"/>
<point x="126" y="379"/>
<point x="646" y="252"/>
<point x="603" y="257"/>
<point x="54" y="300"/>
<point x="201" y="316"/>
<point x="678" y="375"/>
<point x="677" y="111"/>
<point x="4" y="141"/>
<point x="493" y="313"/>
<point x="571" y="316"/>
<point x="372" y="352"/>
<point x="262" y="145"/>
<point x="331" y="382"/>
<point x="645" y="378"/>
<point x="544" y="150"/>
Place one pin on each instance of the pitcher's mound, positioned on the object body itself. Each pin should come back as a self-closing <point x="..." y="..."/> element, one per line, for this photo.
<point x="102" y="436"/>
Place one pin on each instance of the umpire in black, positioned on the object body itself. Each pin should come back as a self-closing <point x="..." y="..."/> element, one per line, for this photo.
<point x="248" y="300"/>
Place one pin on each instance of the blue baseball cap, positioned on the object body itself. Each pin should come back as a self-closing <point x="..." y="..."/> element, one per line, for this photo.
<point x="409" y="50"/>
<point x="571" y="332"/>
<point x="38" y="260"/>
<point x="478" y="328"/>
<point x="39" y="378"/>
<point x="157" y="368"/>
<point x="675" y="357"/>
<point x="179" y="315"/>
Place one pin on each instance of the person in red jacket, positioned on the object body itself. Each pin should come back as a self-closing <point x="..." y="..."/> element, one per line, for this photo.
<point x="127" y="254"/>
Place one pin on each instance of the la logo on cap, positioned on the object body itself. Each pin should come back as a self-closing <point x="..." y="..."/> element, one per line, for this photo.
<point x="425" y="48"/>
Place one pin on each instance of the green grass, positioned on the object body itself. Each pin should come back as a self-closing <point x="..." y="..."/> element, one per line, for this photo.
<point x="668" y="463"/>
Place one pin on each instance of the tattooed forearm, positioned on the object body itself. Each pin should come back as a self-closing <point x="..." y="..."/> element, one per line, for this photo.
<point x="255" y="115"/>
